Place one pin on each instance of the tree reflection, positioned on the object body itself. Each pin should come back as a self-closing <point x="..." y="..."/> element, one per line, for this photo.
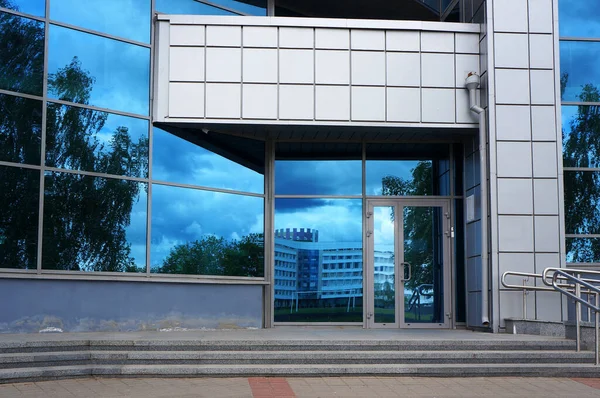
<point x="418" y="221"/>
<point x="212" y="255"/>
<point x="581" y="148"/>
<point x="85" y="218"/>
<point x="21" y="52"/>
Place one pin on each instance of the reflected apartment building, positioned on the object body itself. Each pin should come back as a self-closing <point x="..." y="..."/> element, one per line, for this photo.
<point x="193" y="164"/>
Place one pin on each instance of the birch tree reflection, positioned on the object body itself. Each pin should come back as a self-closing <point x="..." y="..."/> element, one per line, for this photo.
<point x="581" y="148"/>
<point x="85" y="218"/>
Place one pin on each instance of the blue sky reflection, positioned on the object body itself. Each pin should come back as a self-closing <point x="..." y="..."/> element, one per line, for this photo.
<point x="129" y="19"/>
<point x="121" y="71"/>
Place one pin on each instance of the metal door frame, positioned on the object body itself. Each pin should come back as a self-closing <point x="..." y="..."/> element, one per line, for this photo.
<point x="368" y="288"/>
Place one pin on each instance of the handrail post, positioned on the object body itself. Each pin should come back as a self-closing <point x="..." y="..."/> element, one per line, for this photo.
<point x="578" y="315"/>
<point x="525" y="299"/>
<point x="597" y="335"/>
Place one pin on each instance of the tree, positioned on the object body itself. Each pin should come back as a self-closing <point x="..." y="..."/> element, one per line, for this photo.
<point x="213" y="255"/>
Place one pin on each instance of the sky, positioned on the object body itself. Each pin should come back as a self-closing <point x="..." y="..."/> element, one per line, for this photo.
<point x="580" y="61"/>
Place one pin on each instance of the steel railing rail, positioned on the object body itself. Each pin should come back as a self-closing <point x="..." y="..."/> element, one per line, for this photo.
<point x="569" y="282"/>
<point x="526" y="288"/>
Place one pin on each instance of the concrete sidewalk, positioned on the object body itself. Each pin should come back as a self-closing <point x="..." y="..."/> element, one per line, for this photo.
<point x="324" y="387"/>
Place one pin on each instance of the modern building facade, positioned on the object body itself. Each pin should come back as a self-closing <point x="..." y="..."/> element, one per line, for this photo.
<point x="217" y="164"/>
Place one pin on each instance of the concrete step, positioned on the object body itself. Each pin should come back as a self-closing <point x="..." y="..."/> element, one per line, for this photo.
<point x="440" y="370"/>
<point x="283" y="345"/>
<point x="70" y="358"/>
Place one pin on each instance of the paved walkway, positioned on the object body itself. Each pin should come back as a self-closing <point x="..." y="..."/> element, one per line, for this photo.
<point x="323" y="387"/>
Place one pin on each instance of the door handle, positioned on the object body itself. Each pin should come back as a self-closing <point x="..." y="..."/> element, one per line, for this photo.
<point x="409" y="271"/>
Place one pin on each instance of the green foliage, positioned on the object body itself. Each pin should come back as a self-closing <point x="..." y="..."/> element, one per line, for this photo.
<point x="213" y="255"/>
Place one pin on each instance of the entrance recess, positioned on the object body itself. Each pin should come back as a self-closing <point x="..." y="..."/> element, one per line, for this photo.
<point x="407" y="263"/>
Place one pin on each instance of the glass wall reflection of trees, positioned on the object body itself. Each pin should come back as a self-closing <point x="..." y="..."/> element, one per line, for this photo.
<point x="98" y="222"/>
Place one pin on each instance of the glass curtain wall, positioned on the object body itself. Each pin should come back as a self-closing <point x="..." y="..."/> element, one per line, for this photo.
<point x="86" y="183"/>
<point x="320" y="190"/>
<point x="580" y="94"/>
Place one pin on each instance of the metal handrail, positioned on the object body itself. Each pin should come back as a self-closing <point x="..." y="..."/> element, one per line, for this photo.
<point x="567" y="281"/>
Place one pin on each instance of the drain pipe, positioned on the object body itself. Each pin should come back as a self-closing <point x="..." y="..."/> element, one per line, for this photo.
<point x="472" y="82"/>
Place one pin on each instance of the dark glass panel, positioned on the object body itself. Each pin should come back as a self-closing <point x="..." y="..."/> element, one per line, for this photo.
<point x="579" y="18"/>
<point x="20" y="129"/>
<point x="581" y="136"/>
<point x="94" y="70"/>
<point x="417" y="10"/>
<point x="33" y="7"/>
<point x="199" y="232"/>
<point x="188" y="7"/>
<point x="318" y="260"/>
<point x="582" y="202"/>
<point x="583" y="250"/>
<point x="211" y="160"/>
<point x="580" y="75"/>
<point x="21" y="54"/>
<point x="129" y="19"/>
<point x="318" y="169"/>
<point x="88" y="140"/>
<point x="19" y="200"/>
<point x="94" y="224"/>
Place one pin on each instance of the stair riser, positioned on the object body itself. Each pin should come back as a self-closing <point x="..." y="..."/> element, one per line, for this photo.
<point x="292" y="362"/>
<point x="291" y="372"/>
<point x="292" y="347"/>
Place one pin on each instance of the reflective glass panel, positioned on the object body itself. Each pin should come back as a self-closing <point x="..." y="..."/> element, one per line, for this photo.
<point x="188" y="7"/>
<point x="94" y="224"/>
<point x="318" y="260"/>
<point x="21" y="54"/>
<point x="583" y="250"/>
<point x="318" y="177"/>
<point x="19" y="200"/>
<point x="580" y="75"/>
<point x="579" y="18"/>
<point x="129" y="19"/>
<point x="33" y="7"/>
<point x="318" y="169"/>
<point x="231" y="163"/>
<point x="581" y="136"/>
<point x="384" y="272"/>
<point x="423" y="264"/>
<point x="399" y="177"/>
<point x="20" y="129"/>
<point x="582" y="202"/>
<point x="84" y="139"/>
<point x="199" y="232"/>
<point x="94" y="70"/>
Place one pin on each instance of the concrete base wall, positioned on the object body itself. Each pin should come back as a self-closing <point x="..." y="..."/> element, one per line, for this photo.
<point x="31" y="306"/>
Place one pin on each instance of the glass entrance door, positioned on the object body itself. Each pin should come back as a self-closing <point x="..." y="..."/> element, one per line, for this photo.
<point x="407" y="268"/>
